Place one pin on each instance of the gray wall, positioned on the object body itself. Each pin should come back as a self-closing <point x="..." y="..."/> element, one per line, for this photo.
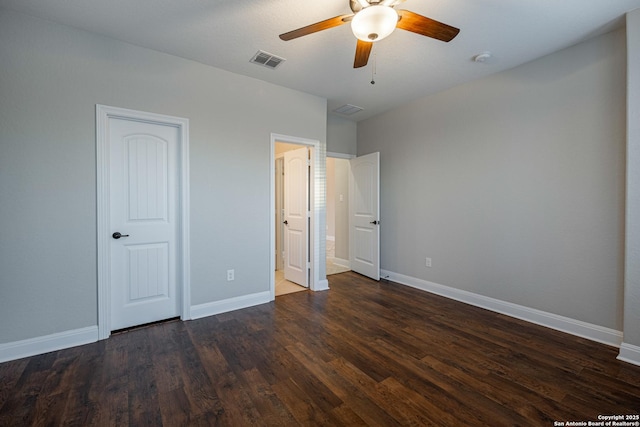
<point x="341" y="138"/>
<point x="632" y="272"/>
<point x="513" y="184"/>
<point x="341" y="135"/>
<point x="50" y="80"/>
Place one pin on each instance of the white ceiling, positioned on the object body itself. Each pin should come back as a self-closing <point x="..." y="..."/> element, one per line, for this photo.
<point x="227" y="33"/>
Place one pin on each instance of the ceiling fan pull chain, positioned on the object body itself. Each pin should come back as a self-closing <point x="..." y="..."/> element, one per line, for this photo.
<point x="373" y="69"/>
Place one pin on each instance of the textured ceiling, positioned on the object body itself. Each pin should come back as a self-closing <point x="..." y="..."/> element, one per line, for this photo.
<point x="227" y="33"/>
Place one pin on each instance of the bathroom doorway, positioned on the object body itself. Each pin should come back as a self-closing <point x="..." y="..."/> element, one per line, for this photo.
<point x="337" y="223"/>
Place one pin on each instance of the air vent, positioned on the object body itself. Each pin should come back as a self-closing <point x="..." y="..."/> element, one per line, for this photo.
<point x="267" y="60"/>
<point x="348" y="109"/>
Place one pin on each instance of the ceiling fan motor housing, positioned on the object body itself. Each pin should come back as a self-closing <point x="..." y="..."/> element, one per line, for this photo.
<point x="374" y="23"/>
<point x="355" y="6"/>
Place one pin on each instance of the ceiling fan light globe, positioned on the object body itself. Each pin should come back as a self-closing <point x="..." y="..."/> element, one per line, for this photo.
<point x="374" y="23"/>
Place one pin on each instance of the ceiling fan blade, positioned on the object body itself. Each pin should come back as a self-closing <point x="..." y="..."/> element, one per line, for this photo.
<point x="419" y="24"/>
<point x="318" y="26"/>
<point x="363" y="49"/>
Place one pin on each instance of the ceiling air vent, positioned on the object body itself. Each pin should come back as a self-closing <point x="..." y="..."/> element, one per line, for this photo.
<point x="348" y="109"/>
<point x="266" y="59"/>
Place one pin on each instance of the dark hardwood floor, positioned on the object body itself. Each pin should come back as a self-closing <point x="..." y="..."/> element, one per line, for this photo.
<point x="363" y="353"/>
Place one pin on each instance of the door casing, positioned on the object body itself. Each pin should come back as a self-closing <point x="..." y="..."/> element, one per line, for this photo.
<point x="103" y="115"/>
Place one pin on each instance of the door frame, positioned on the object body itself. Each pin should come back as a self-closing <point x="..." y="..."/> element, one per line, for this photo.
<point x="103" y="114"/>
<point x="317" y="197"/>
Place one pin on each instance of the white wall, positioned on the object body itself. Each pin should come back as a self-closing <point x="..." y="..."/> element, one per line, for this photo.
<point x="50" y="80"/>
<point x="341" y="174"/>
<point x="338" y="205"/>
<point x="331" y="198"/>
<point x="513" y="184"/>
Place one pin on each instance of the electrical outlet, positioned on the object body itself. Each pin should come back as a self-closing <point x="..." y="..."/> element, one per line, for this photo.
<point x="231" y="275"/>
<point x="427" y="262"/>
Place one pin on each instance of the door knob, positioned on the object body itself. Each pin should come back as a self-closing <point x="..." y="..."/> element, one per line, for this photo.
<point x="285" y="222"/>
<point x="375" y="222"/>
<point x="118" y="235"/>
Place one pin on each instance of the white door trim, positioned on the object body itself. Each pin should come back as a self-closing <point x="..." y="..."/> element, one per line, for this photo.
<point x="318" y="208"/>
<point x="340" y="155"/>
<point x="103" y="114"/>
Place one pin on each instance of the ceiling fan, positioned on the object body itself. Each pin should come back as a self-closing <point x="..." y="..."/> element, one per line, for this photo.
<point x="373" y="20"/>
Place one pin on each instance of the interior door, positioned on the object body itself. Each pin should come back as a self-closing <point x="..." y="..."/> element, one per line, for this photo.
<point x="364" y="215"/>
<point x="144" y="222"/>
<point x="296" y="216"/>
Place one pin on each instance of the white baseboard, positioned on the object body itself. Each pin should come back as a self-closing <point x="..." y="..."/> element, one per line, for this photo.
<point x="629" y="353"/>
<point x="342" y="262"/>
<point x="230" y="304"/>
<point x="45" y="344"/>
<point x="565" y="324"/>
<point x="323" y="285"/>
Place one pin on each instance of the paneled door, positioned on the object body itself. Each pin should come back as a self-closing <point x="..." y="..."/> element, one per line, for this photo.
<point x="296" y="216"/>
<point x="364" y="213"/>
<point x="143" y="196"/>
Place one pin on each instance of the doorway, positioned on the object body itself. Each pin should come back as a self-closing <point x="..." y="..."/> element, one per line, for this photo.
<point x="316" y="215"/>
<point x="337" y="214"/>
<point x="293" y="209"/>
<point x="362" y="248"/>
<point x="337" y="245"/>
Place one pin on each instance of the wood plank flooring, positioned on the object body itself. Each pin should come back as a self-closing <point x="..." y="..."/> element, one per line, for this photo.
<point x="363" y="353"/>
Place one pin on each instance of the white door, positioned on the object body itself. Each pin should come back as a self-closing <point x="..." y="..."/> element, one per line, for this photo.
<point x="143" y="209"/>
<point x="296" y="216"/>
<point x="364" y="219"/>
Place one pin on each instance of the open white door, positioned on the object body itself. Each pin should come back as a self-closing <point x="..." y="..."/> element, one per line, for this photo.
<point x="364" y="210"/>
<point x="296" y="216"/>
